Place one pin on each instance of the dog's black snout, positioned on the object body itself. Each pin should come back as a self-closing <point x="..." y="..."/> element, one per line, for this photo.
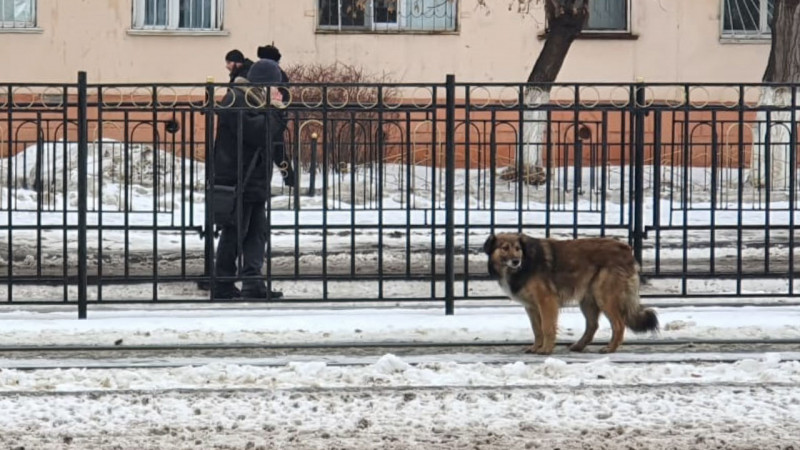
<point x="515" y="262"/>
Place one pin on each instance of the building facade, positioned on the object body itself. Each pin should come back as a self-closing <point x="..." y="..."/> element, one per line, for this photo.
<point x="135" y="41"/>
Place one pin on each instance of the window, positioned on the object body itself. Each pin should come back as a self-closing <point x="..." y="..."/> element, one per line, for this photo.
<point x="608" y="16"/>
<point x="747" y="18"/>
<point x="189" y="15"/>
<point x="17" y="14"/>
<point x="388" y="15"/>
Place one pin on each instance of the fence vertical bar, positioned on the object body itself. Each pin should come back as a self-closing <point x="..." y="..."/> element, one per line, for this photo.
<point x="83" y="156"/>
<point x="638" y="174"/>
<point x="208" y="226"/>
<point x="657" y="188"/>
<point x="312" y="170"/>
<point x="740" y="189"/>
<point x="381" y="148"/>
<point x="715" y="167"/>
<point x="9" y="195"/>
<point x="576" y="160"/>
<point x="449" y="179"/>
<point x="792" y="183"/>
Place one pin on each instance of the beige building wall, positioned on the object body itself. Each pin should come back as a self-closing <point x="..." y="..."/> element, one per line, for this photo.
<point x="675" y="41"/>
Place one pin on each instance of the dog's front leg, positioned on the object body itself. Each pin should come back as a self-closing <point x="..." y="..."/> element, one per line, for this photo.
<point x="548" y="310"/>
<point x="536" y="324"/>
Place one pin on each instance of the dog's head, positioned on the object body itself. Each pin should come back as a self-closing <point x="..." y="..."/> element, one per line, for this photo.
<point x="506" y="251"/>
<point x="513" y="252"/>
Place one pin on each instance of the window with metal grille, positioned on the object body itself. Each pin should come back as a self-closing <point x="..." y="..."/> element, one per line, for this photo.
<point x="747" y="18"/>
<point x="17" y="14"/>
<point x="190" y="15"/>
<point x="387" y="15"/>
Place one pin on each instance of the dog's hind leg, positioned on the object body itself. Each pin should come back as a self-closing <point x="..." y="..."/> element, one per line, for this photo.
<point x="591" y="312"/>
<point x="605" y="291"/>
<point x="536" y="324"/>
<point x="617" y="327"/>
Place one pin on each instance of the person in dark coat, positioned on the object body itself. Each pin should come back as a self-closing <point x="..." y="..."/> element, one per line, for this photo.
<point x="244" y="111"/>
<point x="272" y="53"/>
<point x="237" y="64"/>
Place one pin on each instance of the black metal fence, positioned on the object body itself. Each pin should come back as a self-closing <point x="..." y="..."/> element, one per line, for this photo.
<point x="103" y="187"/>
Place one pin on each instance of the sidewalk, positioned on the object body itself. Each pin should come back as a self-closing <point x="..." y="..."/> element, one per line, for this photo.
<point x="260" y="324"/>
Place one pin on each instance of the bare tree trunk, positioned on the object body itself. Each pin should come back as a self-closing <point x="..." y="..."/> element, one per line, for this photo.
<point x="565" y="20"/>
<point x="770" y="164"/>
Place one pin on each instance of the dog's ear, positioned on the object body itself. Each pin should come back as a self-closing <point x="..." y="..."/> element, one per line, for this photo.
<point x="530" y="246"/>
<point x="537" y="250"/>
<point x="488" y="246"/>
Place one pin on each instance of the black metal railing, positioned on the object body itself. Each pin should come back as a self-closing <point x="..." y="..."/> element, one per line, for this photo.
<point x="103" y="187"/>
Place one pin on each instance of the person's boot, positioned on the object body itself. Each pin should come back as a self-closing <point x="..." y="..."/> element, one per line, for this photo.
<point x="260" y="294"/>
<point x="227" y="292"/>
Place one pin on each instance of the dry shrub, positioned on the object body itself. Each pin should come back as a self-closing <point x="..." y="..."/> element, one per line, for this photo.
<point x="350" y="98"/>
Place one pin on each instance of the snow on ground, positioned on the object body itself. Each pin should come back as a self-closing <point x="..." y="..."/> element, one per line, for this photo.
<point x="751" y="404"/>
<point x="306" y="325"/>
<point x="653" y="418"/>
<point x="173" y="187"/>
<point x="392" y="402"/>
<point x="437" y="401"/>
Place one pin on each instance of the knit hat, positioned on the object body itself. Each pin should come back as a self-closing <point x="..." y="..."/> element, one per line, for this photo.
<point x="269" y="52"/>
<point x="234" y="56"/>
<point x="264" y="71"/>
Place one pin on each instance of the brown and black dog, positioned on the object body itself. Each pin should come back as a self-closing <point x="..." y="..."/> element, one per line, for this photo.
<point x="545" y="274"/>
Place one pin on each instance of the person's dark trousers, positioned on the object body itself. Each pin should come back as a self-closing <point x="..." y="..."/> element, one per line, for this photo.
<point x="254" y="228"/>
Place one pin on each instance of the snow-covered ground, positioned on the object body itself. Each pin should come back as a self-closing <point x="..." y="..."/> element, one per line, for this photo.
<point x="627" y="400"/>
<point x="644" y="399"/>
<point x="288" y="325"/>
<point x="174" y="188"/>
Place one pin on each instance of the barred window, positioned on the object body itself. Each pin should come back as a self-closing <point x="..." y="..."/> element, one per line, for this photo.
<point x="747" y="18"/>
<point x="190" y="15"/>
<point x="17" y="14"/>
<point x="388" y="15"/>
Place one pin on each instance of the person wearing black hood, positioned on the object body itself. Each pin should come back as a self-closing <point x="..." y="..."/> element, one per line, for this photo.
<point x="270" y="52"/>
<point x="237" y="64"/>
<point x="273" y="54"/>
<point x="246" y="113"/>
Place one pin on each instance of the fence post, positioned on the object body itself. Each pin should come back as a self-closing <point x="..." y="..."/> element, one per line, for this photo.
<point x="83" y="156"/>
<point x="449" y="196"/>
<point x="639" y="111"/>
<point x="312" y="172"/>
<point x="208" y="229"/>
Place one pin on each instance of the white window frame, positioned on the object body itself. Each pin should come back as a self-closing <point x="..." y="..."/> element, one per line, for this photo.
<point x="21" y="25"/>
<point x="369" y="21"/>
<point x="763" y="32"/>
<point x="627" y="30"/>
<point x="398" y="25"/>
<point x="173" y="17"/>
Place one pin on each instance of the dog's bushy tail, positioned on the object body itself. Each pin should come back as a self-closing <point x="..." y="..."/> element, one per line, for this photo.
<point x="642" y="320"/>
<point x="638" y="318"/>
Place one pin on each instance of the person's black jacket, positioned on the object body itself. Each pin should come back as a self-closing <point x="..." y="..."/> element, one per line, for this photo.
<point x="279" y="154"/>
<point x="284" y="89"/>
<point x="246" y="108"/>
